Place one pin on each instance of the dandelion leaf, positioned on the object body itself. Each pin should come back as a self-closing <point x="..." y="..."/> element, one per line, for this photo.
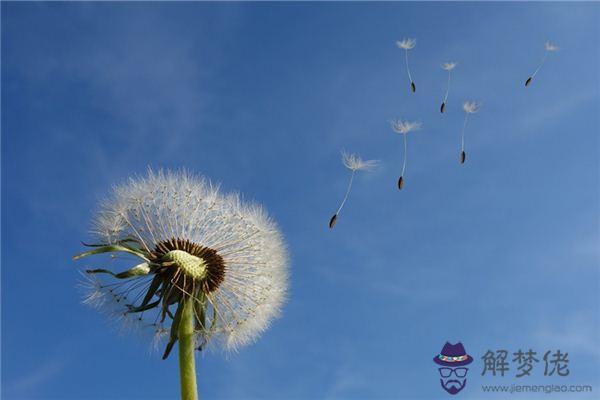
<point x="141" y="308"/>
<point x="112" y="249"/>
<point x="174" y="329"/>
<point x="154" y="285"/>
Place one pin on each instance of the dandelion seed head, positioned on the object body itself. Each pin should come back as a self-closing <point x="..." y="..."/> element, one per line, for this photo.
<point x="449" y="66"/>
<point x="403" y="127"/>
<point x="225" y="253"/>
<point x="355" y="163"/>
<point x="471" y="107"/>
<point x="406" y="44"/>
<point x="550" y="46"/>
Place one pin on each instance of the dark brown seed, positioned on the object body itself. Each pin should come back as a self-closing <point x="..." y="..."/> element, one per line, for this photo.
<point x="401" y="183"/>
<point x="413" y="87"/>
<point x="443" y="107"/>
<point x="463" y="157"/>
<point x="332" y="221"/>
<point x="528" y="81"/>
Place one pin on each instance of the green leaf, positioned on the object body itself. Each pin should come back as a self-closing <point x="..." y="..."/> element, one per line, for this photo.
<point x="168" y="292"/>
<point x="120" y="242"/>
<point x="99" y="271"/>
<point x="154" y="285"/>
<point x="173" y="297"/>
<point x="200" y="312"/>
<point x="138" y="270"/>
<point x="141" y="308"/>
<point x="213" y="322"/>
<point x="174" y="330"/>
<point x="113" y="249"/>
<point x="207" y="333"/>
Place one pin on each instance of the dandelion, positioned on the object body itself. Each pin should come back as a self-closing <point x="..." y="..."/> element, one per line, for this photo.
<point x="354" y="163"/>
<point x="549" y="48"/>
<point x="470" y="107"/>
<point x="449" y="66"/>
<point x="403" y="128"/>
<point x="408" y="44"/>
<point x="208" y="268"/>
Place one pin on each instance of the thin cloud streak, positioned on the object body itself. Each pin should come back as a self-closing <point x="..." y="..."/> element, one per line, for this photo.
<point x="30" y="383"/>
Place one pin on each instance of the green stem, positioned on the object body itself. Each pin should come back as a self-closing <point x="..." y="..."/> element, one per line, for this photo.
<point x="187" y="362"/>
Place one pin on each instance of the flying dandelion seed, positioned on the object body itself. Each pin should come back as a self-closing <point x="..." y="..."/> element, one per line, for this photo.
<point x="470" y="107"/>
<point x="354" y="163"/>
<point x="403" y="128"/>
<point x="549" y="48"/>
<point x="408" y="44"/>
<point x="210" y="270"/>
<point x="449" y="66"/>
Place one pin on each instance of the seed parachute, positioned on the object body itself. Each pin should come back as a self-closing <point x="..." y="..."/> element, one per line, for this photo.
<point x="403" y="128"/>
<point x="449" y="66"/>
<point x="354" y="163"/>
<point x="408" y="44"/>
<point x="549" y="48"/>
<point x="470" y="107"/>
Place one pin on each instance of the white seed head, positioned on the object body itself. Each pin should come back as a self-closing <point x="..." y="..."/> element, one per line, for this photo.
<point x="550" y="46"/>
<point x="449" y="66"/>
<point x="355" y="163"/>
<point x="471" y="107"/>
<point x="403" y="127"/>
<point x="406" y="44"/>
<point x="166" y="205"/>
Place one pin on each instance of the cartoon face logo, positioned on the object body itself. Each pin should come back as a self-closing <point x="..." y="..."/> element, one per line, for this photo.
<point x="453" y="373"/>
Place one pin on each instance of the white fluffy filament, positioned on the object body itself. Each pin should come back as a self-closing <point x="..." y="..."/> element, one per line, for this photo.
<point x="541" y="65"/>
<point x="347" y="192"/>
<point x="405" y="155"/>
<point x="447" y="86"/>
<point x="462" y="135"/>
<point x="407" y="67"/>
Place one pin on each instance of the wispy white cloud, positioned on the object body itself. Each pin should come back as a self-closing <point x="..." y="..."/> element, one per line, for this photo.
<point x="347" y="379"/>
<point x="156" y="87"/>
<point x="579" y="332"/>
<point x="559" y="108"/>
<point x="29" y="383"/>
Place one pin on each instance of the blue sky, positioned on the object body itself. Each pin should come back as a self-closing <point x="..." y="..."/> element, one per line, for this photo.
<point x="499" y="253"/>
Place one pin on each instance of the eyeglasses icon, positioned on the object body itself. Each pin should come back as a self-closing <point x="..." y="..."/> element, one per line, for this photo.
<point x="459" y="372"/>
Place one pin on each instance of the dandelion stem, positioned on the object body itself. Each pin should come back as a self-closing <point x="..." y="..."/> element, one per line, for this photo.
<point x="405" y="155"/>
<point x="187" y="362"/>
